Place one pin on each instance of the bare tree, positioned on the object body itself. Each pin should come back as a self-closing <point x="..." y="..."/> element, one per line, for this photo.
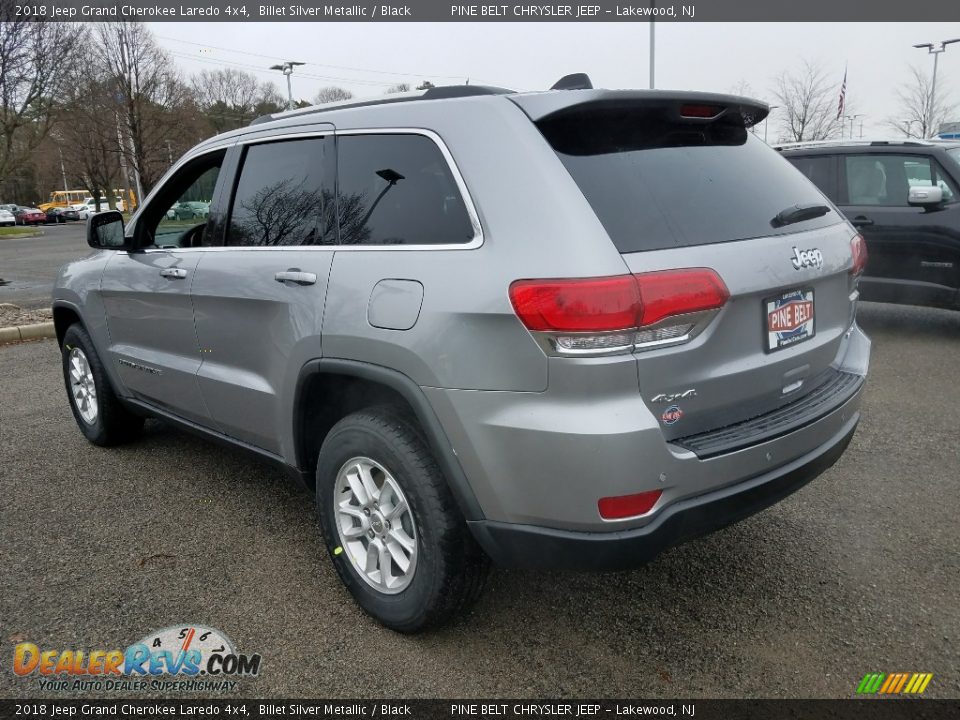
<point x="742" y="88"/>
<point x="425" y="85"/>
<point x="808" y="102"/>
<point x="88" y="131"/>
<point x="398" y="88"/>
<point x="149" y="95"/>
<point x="231" y="98"/>
<point x="331" y="94"/>
<point x="913" y="118"/>
<point x="32" y="57"/>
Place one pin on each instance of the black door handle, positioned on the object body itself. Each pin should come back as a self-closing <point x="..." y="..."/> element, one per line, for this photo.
<point x="861" y="221"/>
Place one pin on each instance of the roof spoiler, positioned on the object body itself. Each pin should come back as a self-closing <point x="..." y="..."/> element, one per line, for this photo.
<point x="694" y="107"/>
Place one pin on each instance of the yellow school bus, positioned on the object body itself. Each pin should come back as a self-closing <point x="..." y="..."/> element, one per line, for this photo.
<point x="62" y="198"/>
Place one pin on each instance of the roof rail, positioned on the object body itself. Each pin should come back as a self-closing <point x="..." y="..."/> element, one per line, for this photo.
<point x="850" y="143"/>
<point x="444" y="92"/>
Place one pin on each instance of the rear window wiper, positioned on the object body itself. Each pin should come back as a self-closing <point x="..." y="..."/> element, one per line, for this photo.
<point x="799" y="213"/>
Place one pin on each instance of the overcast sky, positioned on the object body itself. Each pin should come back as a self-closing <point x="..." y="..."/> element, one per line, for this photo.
<point x="532" y="56"/>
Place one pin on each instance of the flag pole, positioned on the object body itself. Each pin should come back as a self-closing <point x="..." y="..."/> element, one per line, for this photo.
<point x="842" y="103"/>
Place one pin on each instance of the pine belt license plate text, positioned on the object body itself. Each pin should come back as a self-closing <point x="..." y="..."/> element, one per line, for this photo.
<point x="790" y="319"/>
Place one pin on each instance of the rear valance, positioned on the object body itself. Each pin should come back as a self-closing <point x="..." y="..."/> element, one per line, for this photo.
<point x="688" y="106"/>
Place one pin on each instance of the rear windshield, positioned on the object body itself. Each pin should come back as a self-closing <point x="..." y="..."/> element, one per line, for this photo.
<point x="656" y="183"/>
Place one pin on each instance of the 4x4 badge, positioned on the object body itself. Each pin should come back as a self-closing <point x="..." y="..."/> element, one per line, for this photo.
<point x="807" y="258"/>
<point x="671" y="397"/>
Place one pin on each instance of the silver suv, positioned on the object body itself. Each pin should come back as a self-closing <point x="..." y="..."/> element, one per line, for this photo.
<point x="563" y="329"/>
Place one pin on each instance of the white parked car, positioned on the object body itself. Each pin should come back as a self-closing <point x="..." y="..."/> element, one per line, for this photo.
<point x="103" y="204"/>
<point x="7" y="218"/>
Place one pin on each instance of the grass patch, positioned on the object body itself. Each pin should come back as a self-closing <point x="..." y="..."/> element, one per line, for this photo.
<point x="24" y="231"/>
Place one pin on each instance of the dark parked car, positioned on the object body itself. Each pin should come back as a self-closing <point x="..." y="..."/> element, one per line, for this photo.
<point x="188" y="210"/>
<point x="61" y="215"/>
<point x="29" y="216"/>
<point x="904" y="197"/>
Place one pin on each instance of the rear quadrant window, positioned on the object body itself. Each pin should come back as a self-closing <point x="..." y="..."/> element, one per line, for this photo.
<point x="398" y="190"/>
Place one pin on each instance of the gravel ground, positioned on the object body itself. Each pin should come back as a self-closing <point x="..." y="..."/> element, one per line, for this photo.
<point x="858" y="572"/>
<point x="12" y="315"/>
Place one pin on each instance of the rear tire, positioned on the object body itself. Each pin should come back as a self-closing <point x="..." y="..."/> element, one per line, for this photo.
<point x="444" y="572"/>
<point x="100" y="415"/>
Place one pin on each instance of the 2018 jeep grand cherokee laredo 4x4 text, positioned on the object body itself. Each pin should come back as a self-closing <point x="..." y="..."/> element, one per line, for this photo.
<point x="563" y="329"/>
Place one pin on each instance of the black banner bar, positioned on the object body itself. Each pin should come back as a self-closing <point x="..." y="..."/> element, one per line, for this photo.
<point x="467" y="11"/>
<point x="853" y="709"/>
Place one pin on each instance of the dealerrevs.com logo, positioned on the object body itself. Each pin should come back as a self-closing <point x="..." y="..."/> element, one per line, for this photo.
<point x="188" y="658"/>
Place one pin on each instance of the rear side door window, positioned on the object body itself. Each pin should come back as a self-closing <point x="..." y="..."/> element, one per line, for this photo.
<point x="284" y="196"/>
<point x="397" y="189"/>
<point x="885" y="180"/>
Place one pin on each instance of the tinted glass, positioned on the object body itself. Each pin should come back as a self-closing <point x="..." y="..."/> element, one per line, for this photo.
<point x="655" y="183"/>
<point x="819" y="169"/>
<point x="885" y="180"/>
<point x="398" y="190"/>
<point x="955" y="154"/>
<point x="281" y="197"/>
<point x="190" y="206"/>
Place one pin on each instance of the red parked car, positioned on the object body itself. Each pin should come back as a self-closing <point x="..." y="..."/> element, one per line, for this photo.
<point x="29" y="216"/>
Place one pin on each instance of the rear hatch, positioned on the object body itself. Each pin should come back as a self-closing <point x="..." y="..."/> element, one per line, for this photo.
<point x="679" y="181"/>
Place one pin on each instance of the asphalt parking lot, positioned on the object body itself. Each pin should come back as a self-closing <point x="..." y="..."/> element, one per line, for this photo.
<point x="859" y="572"/>
<point x="28" y="266"/>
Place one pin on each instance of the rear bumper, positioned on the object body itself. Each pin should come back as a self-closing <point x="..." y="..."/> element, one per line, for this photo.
<point x="528" y="546"/>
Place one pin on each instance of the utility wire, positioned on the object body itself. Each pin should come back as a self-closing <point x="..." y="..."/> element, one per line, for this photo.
<point x="336" y="67"/>
<point x="258" y="69"/>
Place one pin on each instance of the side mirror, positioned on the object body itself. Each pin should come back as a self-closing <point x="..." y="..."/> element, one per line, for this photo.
<point x="924" y="195"/>
<point x="105" y="230"/>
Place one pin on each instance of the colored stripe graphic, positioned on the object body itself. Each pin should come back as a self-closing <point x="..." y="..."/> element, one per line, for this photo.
<point x="891" y="680"/>
<point x="871" y="683"/>
<point x="894" y="683"/>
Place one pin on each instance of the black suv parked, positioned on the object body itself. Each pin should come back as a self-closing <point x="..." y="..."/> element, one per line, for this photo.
<point x="904" y="197"/>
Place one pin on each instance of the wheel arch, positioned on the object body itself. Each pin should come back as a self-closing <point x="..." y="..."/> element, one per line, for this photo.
<point x="64" y="315"/>
<point x="366" y="384"/>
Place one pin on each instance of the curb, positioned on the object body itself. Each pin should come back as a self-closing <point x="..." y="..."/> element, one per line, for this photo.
<point x="22" y="333"/>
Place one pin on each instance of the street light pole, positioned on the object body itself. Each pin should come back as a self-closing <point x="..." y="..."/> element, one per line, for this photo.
<point x="851" y="118"/>
<point x="653" y="45"/>
<point x="63" y="170"/>
<point x="287" y="69"/>
<point x="766" y="121"/>
<point x="934" y="49"/>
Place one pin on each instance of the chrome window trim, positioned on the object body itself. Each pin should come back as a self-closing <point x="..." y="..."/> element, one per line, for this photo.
<point x="476" y="242"/>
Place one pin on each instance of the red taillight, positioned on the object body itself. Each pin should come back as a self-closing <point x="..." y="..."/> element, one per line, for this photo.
<point x="613" y="314"/>
<point x="577" y="305"/>
<point x="624" y="506"/>
<point x="677" y="292"/>
<point x="858" y="248"/>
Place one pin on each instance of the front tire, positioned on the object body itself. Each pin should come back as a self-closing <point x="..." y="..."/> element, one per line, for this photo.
<point x="395" y="534"/>
<point x="99" y="413"/>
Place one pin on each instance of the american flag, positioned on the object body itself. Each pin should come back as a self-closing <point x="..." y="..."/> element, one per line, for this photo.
<point x="843" y="95"/>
